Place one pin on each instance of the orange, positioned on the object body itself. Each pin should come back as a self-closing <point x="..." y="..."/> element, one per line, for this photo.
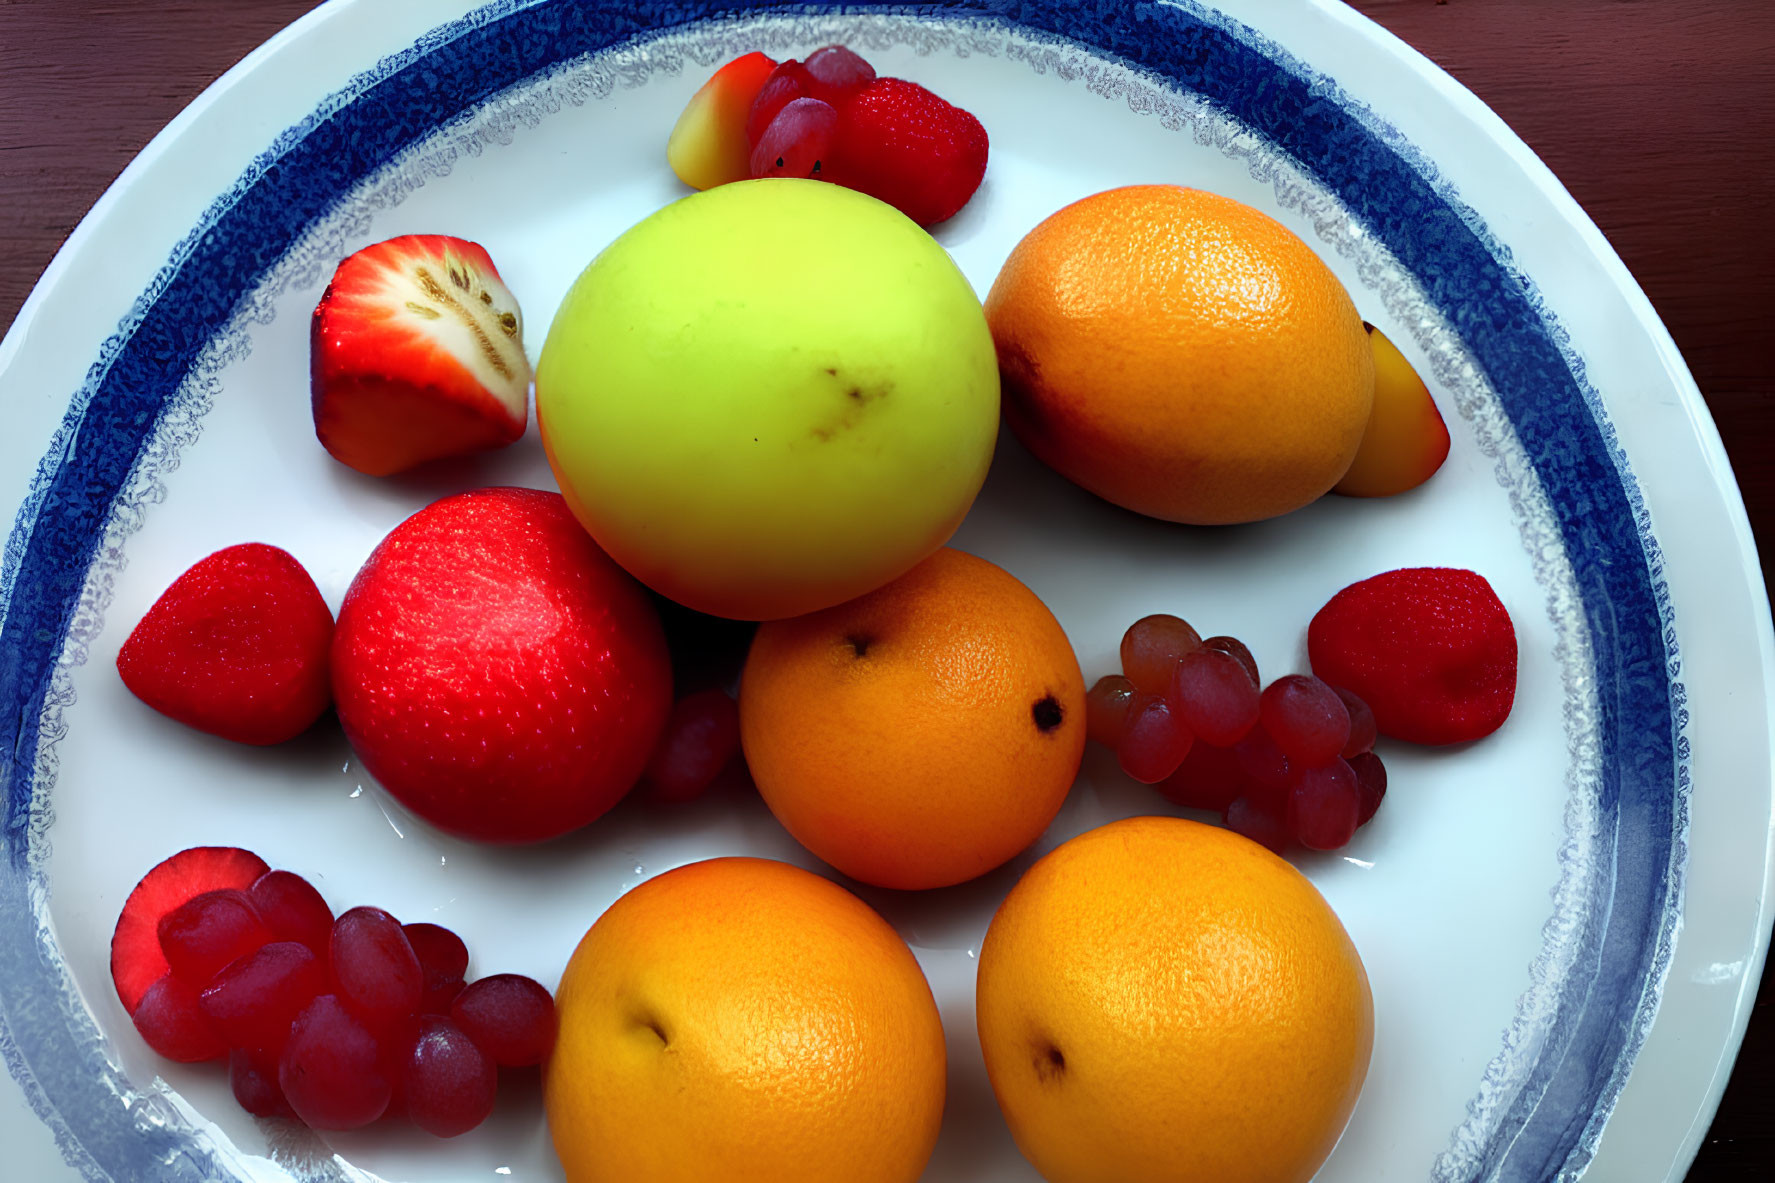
<point x="744" y="1020"/>
<point x="1181" y="354"/>
<point x="919" y="735"/>
<point x="1164" y="1000"/>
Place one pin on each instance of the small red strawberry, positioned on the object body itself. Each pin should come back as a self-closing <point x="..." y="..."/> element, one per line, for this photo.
<point x="898" y="142"/>
<point x="1430" y="649"/>
<point x="416" y="352"/>
<point x="137" y="961"/>
<point x="237" y="647"/>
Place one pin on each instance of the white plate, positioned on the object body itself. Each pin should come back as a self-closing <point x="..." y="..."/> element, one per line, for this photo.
<point x="1521" y="904"/>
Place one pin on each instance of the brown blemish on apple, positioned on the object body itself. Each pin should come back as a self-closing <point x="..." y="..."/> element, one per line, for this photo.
<point x="857" y="396"/>
<point x="1048" y="714"/>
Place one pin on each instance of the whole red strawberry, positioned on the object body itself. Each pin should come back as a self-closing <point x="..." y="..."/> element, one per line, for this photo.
<point x="496" y="671"/>
<point x="237" y="647"/>
<point x="1430" y="649"/>
<point x="898" y="142"/>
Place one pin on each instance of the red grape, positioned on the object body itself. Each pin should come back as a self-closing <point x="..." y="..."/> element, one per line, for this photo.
<point x="174" y="1025"/>
<point x="702" y="734"/>
<point x="1306" y="719"/>
<point x="208" y="931"/>
<point x="1261" y="760"/>
<point x="1252" y="816"/>
<point x="836" y="71"/>
<point x="789" y="81"/>
<point x="1209" y="778"/>
<point x="1363" y="731"/>
<point x="448" y="1083"/>
<point x="331" y="1070"/>
<point x="443" y="962"/>
<point x="1155" y="743"/>
<point x="253" y="1077"/>
<point x="798" y="142"/>
<point x="1106" y="709"/>
<point x="510" y="1017"/>
<point x="375" y="969"/>
<point x="1371" y="784"/>
<point x="1235" y="648"/>
<point x="254" y="1000"/>
<point x="293" y="910"/>
<point x="1323" y="806"/>
<point x="1215" y="696"/>
<point x="1151" y="647"/>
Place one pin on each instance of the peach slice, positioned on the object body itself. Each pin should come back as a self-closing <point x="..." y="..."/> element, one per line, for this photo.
<point x="1406" y="440"/>
<point x="708" y="143"/>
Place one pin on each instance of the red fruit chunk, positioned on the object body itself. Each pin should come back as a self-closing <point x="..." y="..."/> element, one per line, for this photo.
<point x="798" y="142"/>
<point x="236" y="647"/>
<point x="208" y="931"/>
<point x="443" y="963"/>
<point x="702" y="734"/>
<point x="416" y="352"/>
<point x="253" y="1078"/>
<point x="331" y="1071"/>
<point x="293" y="910"/>
<point x="1151" y="648"/>
<point x="1430" y="649"/>
<point x="1156" y="741"/>
<point x="1214" y="696"/>
<point x="1257" y="819"/>
<point x="1106" y="709"/>
<point x="787" y="82"/>
<point x="510" y="1017"/>
<point x="1323" y="806"/>
<point x="1371" y="784"/>
<point x="136" y="959"/>
<point x="1235" y="648"/>
<point x="375" y="969"/>
<point x="168" y="1017"/>
<point x="1362" y="729"/>
<point x="901" y="144"/>
<point x="835" y="71"/>
<point x="1261" y="760"/>
<point x="448" y="1083"/>
<point x="1306" y="718"/>
<point x="252" y="1002"/>
<point x="496" y="671"/>
<point x="708" y="144"/>
<point x="1209" y="778"/>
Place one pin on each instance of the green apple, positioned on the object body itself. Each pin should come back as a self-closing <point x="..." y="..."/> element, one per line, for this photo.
<point x="769" y="397"/>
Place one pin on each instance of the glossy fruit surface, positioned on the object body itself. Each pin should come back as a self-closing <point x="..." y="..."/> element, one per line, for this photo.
<point x="758" y="439"/>
<point x="496" y="672"/>
<point x="1181" y="354"/>
<point x="744" y="1020"/>
<point x="922" y="734"/>
<point x="1160" y="999"/>
<point x="708" y="146"/>
<point x="137" y="960"/>
<point x="1406" y="440"/>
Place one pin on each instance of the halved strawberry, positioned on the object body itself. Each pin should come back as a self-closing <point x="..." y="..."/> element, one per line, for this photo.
<point x="901" y="144"/>
<point x="416" y="352"/>
<point x="136" y="960"/>
<point x="237" y="646"/>
<point x="708" y="144"/>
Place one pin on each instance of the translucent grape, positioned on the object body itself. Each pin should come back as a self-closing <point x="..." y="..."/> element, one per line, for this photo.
<point x="1155" y="743"/>
<point x="173" y="1024"/>
<point x="788" y="82"/>
<point x="252" y="1076"/>
<point x="332" y="1069"/>
<point x="1235" y="648"/>
<point x="702" y="734"/>
<point x="254" y="1000"/>
<point x="836" y="71"/>
<point x="510" y="1017"/>
<point x="293" y="910"/>
<point x="1151" y="647"/>
<point x="448" y="1083"/>
<point x="1106" y="709"/>
<point x="798" y="142"/>
<point x="443" y="963"/>
<point x="1363" y="731"/>
<point x="1323" y="806"/>
<point x="208" y="931"/>
<point x="1252" y="816"/>
<point x="1209" y="778"/>
<point x="1261" y="760"/>
<point x="375" y="969"/>
<point x="1214" y="695"/>
<point x="1306" y="718"/>
<point x="1371" y="784"/>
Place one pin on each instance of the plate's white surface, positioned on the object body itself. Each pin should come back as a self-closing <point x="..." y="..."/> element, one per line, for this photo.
<point x="1447" y="894"/>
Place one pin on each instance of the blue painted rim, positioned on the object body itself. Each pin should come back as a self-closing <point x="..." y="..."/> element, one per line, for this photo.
<point x="1605" y="1007"/>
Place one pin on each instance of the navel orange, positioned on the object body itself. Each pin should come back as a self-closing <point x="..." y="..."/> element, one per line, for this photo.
<point x="1181" y="354"/>
<point x="1160" y="999"/>
<point x="922" y="734"/>
<point x="744" y="1020"/>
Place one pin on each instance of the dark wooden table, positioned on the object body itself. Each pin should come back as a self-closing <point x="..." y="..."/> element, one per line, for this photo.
<point x="1655" y="115"/>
